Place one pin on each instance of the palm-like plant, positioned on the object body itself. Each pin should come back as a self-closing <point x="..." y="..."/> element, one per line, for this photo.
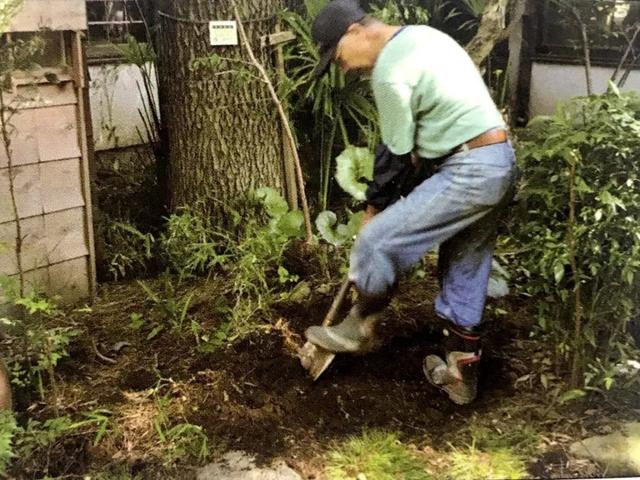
<point x="474" y="7"/>
<point x="337" y="101"/>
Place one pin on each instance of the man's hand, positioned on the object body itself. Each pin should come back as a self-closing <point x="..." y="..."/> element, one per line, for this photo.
<point x="369" y="213"/>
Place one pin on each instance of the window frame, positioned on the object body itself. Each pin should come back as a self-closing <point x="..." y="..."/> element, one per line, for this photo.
<point x="546" y="52"/>
<point x="105" y="51"/>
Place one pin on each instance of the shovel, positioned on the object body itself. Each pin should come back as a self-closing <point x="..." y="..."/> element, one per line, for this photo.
<point x="314" y="358"/>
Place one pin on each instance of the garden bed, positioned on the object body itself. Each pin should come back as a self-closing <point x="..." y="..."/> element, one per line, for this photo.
<point x="253" y="395"/>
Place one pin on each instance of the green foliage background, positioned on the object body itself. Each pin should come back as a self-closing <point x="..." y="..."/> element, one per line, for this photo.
<point x="598" y="138"/>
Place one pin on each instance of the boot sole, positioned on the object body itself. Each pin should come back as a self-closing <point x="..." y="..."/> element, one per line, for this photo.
<point x="453" y="396"/>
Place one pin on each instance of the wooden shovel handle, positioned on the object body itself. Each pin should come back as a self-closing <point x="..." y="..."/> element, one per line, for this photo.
<point x="337" y="303"/>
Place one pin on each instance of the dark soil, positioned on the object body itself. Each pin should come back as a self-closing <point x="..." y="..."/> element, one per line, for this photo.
<point x="254" y="396"/>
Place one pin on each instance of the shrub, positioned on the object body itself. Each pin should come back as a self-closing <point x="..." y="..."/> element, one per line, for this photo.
<point x="579" y="236"/>
<point x="128" y="251"/>
<point x="189" y="244"/>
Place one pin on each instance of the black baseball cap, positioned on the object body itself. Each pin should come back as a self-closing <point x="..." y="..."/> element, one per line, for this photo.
<point x="330" y="25"/>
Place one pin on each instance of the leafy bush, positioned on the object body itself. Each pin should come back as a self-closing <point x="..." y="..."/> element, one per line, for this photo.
<point x="37" y="445"/>
<point x="168" y="309"/>
<point x="128" y="251"/>
<point x="353" y="166"/>
<point x="579" y="237"/>
<point x="35" y="346"/>
<point x="400" y="12"/>
<point x="8" y="428"/>
<point x="256" y="259"/>
<point x="189" y="245"/>
<point x="181" y="441"/>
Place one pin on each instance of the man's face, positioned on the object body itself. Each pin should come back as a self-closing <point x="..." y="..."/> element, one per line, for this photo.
<point x="352" y="52"/>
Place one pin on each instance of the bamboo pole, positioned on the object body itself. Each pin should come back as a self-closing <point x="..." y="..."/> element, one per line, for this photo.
<point x="285" y="121"/>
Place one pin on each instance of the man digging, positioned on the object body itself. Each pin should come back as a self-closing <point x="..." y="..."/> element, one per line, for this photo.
<point x="435" y="111"/>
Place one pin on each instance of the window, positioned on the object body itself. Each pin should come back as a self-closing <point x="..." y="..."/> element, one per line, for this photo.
<point x="54" y="52"/>
<point x="611" y="25"/>
<point x="111" y="21"/>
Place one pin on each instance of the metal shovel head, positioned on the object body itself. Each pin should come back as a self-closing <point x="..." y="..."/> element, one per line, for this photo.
<point x="315" y="359"/>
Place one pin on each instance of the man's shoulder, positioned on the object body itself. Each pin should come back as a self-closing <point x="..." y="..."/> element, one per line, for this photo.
<point x="409" y="54"/>
<point x="427" y="33"/>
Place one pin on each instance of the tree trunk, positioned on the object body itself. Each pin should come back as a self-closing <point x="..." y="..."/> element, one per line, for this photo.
<point x="5" y="387"/>
<point x="493" y="28"/>
<point x="222" y="131"/>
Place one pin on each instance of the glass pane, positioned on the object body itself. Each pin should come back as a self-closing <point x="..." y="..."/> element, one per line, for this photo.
<point x="610" y="25"/>
<point x="53" y="53"/>
<point x="113" y="20"/>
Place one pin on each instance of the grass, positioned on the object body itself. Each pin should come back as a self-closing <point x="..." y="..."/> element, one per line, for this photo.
<point x="375" y="455"/>
<point x="522" y="439"/>
<point x="474" y="464"/>
<point x="492" y="453"/>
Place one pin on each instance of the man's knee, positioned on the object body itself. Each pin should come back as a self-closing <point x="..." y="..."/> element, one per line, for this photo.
<point x="372" y="269"/>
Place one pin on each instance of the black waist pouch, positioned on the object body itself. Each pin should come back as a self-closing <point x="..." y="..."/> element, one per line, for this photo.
<point x="395" y="176"/>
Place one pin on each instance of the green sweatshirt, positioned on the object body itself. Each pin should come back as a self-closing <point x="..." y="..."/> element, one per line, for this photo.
<point x="429" y="94"/>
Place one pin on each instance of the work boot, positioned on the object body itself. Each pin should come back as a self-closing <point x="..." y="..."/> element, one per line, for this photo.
<point x="457" y="375"/>
<point x="355" y="334"/>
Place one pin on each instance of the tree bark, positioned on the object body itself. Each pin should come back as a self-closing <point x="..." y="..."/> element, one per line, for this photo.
<point x="493" y="27"/>
<point x="5" y="387"/>
<point x="223" y="133"/>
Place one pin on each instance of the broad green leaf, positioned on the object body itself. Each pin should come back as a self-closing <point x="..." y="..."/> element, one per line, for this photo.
<point x="290" y="224"/>
<point x="272" y="201"/>
<point x="334" y="233"/>
<point x="354" y="165"/>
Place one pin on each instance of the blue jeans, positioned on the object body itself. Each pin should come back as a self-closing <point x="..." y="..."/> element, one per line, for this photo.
<point x="457" y="208"/>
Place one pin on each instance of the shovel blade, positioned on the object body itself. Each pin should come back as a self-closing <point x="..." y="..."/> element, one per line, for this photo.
<point x="315" y="359"/>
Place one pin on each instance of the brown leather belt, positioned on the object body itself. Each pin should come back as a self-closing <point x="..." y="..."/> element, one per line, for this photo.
<point x="490" y="137"/>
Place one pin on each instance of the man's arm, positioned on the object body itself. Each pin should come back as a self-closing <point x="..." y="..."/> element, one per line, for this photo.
<point x="391" y="175"/>
<point x="394" y="162"/>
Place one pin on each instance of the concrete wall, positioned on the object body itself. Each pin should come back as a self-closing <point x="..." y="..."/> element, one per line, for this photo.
<point x="551" y="83"/>
<point x="115" y="101"/>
